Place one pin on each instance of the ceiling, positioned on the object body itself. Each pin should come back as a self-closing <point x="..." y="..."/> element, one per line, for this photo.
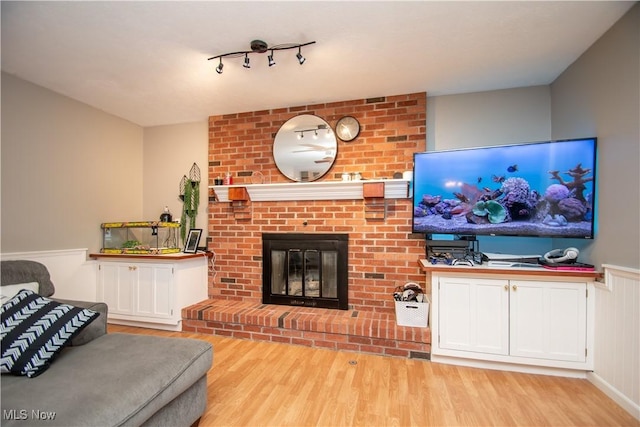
<point x="147" y="61"/>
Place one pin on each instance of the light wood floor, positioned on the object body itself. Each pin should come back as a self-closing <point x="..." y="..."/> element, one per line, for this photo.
<point x="268" y="384"/>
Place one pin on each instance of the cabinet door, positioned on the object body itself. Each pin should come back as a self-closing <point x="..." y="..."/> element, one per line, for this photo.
<point x="154" y="287"/>
<point x="115" y="287"/>
<point x="474" y="315"/>
<point x="548" y="320"/>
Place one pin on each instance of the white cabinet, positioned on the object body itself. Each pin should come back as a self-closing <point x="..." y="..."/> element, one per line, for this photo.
<point x="514" y="319"/>
<point x="151" y="292"/>
<point x="548" y="320"/>
<point x="474" y="315"/>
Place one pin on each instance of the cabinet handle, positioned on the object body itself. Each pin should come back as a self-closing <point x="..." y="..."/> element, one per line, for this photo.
<point x="514" y="287"/>
<point x="132" y="268"/>
<point x="506" y="287"/>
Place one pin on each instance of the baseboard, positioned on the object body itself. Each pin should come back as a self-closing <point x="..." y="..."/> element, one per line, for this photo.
<point x="504" y="366"/>
<point x="615" y="395"/>
<point x="149" y="325"/>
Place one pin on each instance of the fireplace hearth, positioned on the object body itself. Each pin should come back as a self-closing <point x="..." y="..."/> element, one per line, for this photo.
<point x="305" y="269"/>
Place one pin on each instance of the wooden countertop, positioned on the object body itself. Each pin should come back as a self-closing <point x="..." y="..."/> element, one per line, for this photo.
<point x="427" y="267"/>
<point x="164" y="257"/>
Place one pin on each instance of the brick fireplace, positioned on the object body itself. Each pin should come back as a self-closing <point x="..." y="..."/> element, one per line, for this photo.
<point x="382" y="253"/>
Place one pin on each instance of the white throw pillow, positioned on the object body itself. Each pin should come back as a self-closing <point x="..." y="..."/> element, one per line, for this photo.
<point x="9" y="291"/>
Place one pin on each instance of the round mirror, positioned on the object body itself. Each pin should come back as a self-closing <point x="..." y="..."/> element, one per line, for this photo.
<point x="305" y="148"/>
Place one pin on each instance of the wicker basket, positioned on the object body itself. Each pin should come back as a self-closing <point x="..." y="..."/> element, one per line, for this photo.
<point x="412" y="313"/>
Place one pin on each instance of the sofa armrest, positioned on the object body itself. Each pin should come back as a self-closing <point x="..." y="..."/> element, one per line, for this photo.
<point x="96" y="328"/>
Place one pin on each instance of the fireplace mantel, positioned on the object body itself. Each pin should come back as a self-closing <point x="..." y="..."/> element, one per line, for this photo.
<point x="317" y="190"/>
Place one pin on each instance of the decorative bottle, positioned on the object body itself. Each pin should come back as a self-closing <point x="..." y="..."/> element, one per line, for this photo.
<point x="228" y="179"/>
<point x="166" y="215"/>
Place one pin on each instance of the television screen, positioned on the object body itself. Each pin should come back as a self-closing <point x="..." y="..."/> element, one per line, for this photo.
<point x="542" y="189"/>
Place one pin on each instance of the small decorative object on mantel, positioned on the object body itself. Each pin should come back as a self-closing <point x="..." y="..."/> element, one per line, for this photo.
<point x="228" y="179"/>
<point x="190" y="196"/>
<point x="258" y="178"/>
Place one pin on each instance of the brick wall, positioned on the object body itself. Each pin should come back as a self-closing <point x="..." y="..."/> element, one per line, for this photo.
<point x="382" y="253"/>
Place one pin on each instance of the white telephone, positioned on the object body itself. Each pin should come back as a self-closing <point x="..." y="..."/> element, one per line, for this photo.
<point x="561" y="255"/>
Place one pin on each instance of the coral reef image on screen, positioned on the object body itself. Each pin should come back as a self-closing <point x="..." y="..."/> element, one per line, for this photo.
<point x="537" y="189"/>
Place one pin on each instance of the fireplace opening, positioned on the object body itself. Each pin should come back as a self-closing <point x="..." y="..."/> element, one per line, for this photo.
<point x="305" y="269"/>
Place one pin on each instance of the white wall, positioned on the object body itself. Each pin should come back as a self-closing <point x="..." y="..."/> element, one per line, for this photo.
<point x="496" y="117"/>
<point x="492" y="118"/>
<point x="169" y="153"/>
<point x="599" y="95"/>
<point x="73" y="275"/>
<point x="78" y="167"/>
<point x="66" y="168"/>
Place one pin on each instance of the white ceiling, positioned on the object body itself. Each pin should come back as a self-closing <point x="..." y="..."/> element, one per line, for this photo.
<point x="147" y="61"/>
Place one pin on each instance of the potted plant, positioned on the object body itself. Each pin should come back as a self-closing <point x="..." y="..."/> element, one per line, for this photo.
<point x="190" y="196"/>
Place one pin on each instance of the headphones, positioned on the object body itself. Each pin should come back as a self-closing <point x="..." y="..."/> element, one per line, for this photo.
<point x="561" y="255"/>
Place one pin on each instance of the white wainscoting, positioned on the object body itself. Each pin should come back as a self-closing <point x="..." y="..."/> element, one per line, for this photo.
<point x="617" y="337"/>
<point x="73" y="275"/>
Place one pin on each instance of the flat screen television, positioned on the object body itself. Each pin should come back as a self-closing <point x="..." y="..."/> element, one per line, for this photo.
<point x="541" y="189"/>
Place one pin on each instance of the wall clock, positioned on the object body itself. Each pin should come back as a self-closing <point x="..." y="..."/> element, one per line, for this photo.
<point x="347" y="128"/>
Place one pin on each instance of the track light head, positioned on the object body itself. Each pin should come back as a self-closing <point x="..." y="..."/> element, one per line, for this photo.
<point x="325" y="127"/>
<point x="271" y="61"/>
<point x="246" y="61"/>
<point x="301" y="58"/>
<point x="219" y="67"/>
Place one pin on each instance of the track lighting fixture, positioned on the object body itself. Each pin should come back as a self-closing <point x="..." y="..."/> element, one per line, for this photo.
<point x="259" y="46"/>
<point x="301" y="58"/>
<point x="300" y="133"/>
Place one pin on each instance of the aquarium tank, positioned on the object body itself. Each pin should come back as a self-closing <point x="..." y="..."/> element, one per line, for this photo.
<point x="540" y="189"/>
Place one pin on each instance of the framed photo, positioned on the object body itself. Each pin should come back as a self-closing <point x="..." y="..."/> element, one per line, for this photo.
<point x="193" y="238"/>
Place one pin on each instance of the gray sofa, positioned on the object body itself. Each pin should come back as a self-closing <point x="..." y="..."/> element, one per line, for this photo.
<point x="107" y="379"/>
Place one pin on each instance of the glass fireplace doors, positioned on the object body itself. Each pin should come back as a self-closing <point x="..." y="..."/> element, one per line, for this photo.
<point x="305" y="270"/>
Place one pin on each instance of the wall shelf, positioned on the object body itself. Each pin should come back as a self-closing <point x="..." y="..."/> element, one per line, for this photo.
<point x="317" y="190"/>
<point x="375" y="204"/>
<point x="240" y="202"/>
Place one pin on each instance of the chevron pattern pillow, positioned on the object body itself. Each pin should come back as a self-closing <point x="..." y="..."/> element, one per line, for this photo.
<point x="34" y="329"/>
